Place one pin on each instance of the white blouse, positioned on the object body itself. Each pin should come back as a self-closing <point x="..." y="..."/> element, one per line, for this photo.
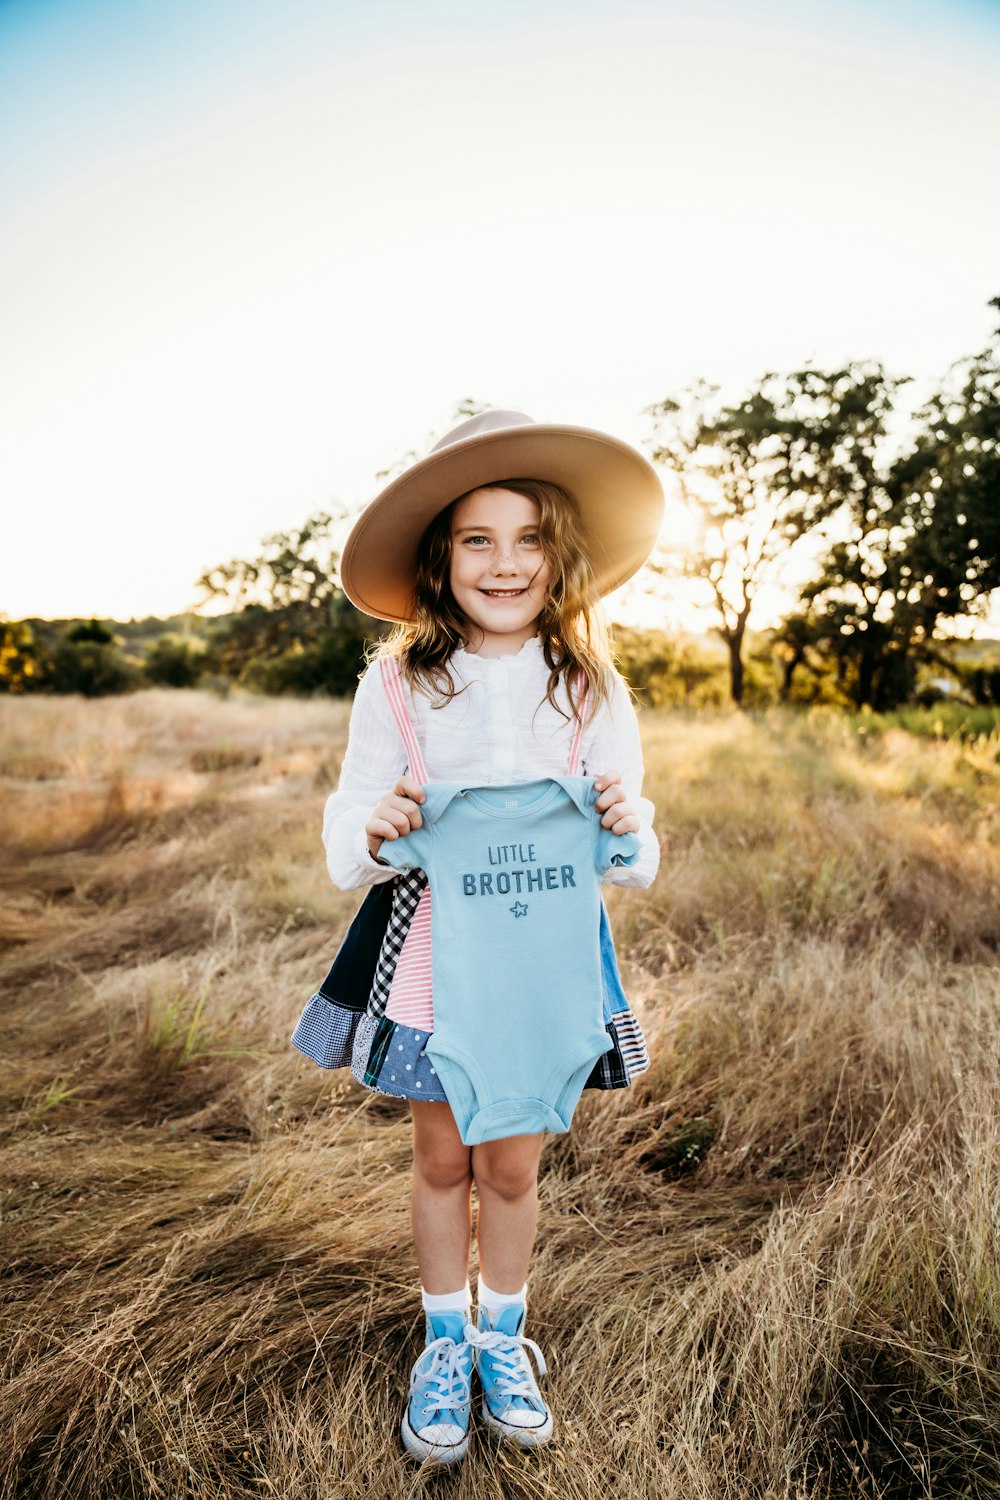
<point x="498" y="729"/>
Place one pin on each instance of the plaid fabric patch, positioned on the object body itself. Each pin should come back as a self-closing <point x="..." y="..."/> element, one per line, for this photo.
<point x="379" y="1048"/>
<point x="628" y="1056"/>
<point x="609" y="1071"/>
<point x="391" y="1059"/>
<point x="405" y="899"/>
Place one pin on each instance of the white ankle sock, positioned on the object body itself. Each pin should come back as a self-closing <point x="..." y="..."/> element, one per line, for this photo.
<point x="493" y="1301"/>
<point x="435" y="1302"/>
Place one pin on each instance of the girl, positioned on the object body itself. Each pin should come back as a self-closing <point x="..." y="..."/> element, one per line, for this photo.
<point x="498" y="674"/>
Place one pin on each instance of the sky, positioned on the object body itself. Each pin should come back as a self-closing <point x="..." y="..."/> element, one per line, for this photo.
<point x="252" y="253"/>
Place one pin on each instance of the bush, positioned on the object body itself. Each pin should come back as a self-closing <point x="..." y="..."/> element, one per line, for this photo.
<point x="173" y="662"/>
<point x="93" y="668"/>
<point x="91" y="630"/>
<point x="666" y="673"/>
<point x="20" y="668"/>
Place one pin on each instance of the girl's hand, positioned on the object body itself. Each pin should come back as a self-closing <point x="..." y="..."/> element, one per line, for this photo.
<point x="618" y="814"/>
<point x="394" y="814"/>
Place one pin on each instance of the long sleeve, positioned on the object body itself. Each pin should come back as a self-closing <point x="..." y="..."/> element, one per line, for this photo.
<point x="612" y="743"/>
<point x="374" y="760"/>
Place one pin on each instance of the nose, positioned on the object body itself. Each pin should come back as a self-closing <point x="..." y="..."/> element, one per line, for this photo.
<point x="503" y="561"/>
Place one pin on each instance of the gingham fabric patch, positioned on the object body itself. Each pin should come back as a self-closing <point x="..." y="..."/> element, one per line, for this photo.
<point x="326" y="1033"/>
<point x="405" y="899"/>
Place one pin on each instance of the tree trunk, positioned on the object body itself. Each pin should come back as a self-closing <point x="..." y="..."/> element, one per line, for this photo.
<point x="735" y="644"/>
<point x="866" y="676"/>
<point x="796" y="659"/>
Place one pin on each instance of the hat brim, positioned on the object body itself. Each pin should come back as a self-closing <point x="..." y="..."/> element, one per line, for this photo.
<point x="618" y="492"/>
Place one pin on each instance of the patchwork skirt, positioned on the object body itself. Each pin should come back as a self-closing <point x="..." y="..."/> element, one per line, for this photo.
<point x="344" y="1023"/>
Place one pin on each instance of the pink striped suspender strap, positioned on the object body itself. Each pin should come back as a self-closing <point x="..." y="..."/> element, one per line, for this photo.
<point x="392" y="681"/>
<point x="574" y="751"/>
<point x="411" y="994"/>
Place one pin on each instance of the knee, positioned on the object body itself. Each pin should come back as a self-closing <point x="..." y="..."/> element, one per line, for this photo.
<point x="441" y="1166"/>
<point x="509" y="1174"/>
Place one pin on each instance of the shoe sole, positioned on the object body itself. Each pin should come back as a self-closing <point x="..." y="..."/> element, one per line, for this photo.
<point x="431" y="1453"/>
<point x="523" y="1437"/>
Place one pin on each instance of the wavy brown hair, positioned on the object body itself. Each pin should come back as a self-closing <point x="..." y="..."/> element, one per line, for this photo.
<point x="575" y="640"/>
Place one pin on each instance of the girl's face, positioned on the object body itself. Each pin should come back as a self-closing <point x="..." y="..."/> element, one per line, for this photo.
<point x="499" y="575"/>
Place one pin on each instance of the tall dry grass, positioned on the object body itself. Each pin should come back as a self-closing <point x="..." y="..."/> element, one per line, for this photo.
<point x="767" y="1270"/>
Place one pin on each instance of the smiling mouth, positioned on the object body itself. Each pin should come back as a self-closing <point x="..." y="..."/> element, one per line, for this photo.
<point x="503" y="593"/>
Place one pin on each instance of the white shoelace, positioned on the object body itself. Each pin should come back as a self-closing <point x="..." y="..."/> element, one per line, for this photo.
<point x="446" y="1382"/>
<point x="513" y="1375"/>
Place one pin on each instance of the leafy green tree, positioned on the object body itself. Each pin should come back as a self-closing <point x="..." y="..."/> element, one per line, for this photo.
<point x="919" y="543"/>
<point x="292" y="628"/>
<point x="764" y="474"/>
<point x="946" y="491"/>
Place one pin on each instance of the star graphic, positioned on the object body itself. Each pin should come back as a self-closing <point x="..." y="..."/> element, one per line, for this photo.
<point x="519" y="909"/>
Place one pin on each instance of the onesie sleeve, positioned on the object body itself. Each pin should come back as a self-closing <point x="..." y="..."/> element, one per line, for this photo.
<point x="375" y="759"/>
<point x="611" y="743"/>
<point x="412" y="851"/>
<point x="614" y="850"/>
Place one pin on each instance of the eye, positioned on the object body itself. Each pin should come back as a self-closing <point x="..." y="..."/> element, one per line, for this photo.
<point x="532" y="540"/>
<point x="471" y="541"/>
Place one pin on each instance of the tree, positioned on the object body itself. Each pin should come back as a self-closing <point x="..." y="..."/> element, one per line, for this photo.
<point x="919" y="543"/>
<point x="765" y="473"/>
<point x="946" y="491"/>
<point x="291" y="628"/>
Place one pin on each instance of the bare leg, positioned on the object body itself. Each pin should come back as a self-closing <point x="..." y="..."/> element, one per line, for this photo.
<point x="442" y="1192"/>
<point x="506" y="1174"/>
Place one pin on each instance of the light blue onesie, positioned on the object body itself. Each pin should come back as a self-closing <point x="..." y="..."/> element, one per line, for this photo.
<point x="515" y="873"/>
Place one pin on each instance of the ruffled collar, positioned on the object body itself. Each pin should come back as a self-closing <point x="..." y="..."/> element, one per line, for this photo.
<point x="528" y="653"/>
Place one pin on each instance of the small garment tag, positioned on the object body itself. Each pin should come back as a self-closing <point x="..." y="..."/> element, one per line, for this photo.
<point x="511" y="804"/>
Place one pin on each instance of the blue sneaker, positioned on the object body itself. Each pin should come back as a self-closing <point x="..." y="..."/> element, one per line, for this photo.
<point x="435" y="1423"/>
<point x="512" y="1402"/>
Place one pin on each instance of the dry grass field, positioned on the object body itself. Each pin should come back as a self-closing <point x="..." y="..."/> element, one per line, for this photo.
<point x="769" y="1270"/>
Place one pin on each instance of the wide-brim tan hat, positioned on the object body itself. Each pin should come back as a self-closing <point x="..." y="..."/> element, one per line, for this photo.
<point x="618" y="492"/>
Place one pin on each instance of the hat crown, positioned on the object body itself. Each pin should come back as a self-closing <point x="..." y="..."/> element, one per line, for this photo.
<point x="486" y="421"/>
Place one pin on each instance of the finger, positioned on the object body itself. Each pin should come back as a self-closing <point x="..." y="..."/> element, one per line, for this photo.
<point x="380" y="828"/>
<point x="409" y="809"/>
<point x="626" y="825"/>
<point x="607" y="779"/>
<point x="402" y="819"/>
<point x="407" y="787"/>
<point x="610" y="797"/>
<point x="389" y="817"/>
